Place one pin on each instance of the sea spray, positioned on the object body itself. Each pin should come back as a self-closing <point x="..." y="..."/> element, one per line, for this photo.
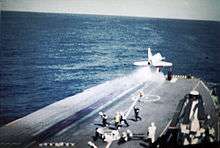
<point x="114" y="87"/>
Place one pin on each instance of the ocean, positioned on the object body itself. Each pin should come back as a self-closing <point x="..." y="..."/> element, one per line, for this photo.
<point x="47" y="57"/>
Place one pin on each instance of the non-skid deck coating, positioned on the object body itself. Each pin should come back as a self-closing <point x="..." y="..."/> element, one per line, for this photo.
<point x="158" y="105"/>
<point x="158" y="111"/>
<point x="50" y="119"/>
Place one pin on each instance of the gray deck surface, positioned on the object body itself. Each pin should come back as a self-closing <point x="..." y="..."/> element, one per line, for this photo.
<point x="160" y="112"/>
<point x="158" y="105"/>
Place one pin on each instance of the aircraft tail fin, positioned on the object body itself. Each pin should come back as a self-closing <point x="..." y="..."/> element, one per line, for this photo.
<point x="149" y="53"/>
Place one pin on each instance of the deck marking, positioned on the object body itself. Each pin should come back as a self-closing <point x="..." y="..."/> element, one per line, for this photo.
<point x="131" y="107"/>
<point x="150" y="100"/>
<point x="147" y="98"/>
<point x="99" y="108"/>
<point x="168" y="124"/>
<point x="208" y="91"/>
<point x="194" y="88"/>
<point x="108" y="144"/>
<point x="137" y="98"/>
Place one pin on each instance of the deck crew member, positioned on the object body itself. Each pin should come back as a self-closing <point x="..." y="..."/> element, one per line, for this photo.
<point x="123" y="118"/>
<point x="136" y="113"/>
<point x="141" y="94"/>
<point x="104" y="118"/>
<point x="99" y="133"/>
<point x="192" y="116"/>
<point x="126" y="136"/>
<point x="117" y="120"/>
<point x="152" y="132"/>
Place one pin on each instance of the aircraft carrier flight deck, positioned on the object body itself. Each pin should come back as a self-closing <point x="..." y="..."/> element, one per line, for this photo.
<point x="64" y="125"/>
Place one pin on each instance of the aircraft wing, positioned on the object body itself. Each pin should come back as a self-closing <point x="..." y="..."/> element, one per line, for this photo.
<point x="141" y="63"/>
<point x="162" y="64"/>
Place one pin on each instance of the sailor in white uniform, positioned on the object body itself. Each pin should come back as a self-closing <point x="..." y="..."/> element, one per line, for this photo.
<point x="193" y="116"/>
<point x="152" y="132"/>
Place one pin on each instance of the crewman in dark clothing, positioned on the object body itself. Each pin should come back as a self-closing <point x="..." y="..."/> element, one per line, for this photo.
<point x="170" y="74"/>
<point x="104" y="118"/>
<point x="136" y="113"/>
<point x="214" y="93"/>
<point x="96" y="135"/>
<point x="123" y="118"/>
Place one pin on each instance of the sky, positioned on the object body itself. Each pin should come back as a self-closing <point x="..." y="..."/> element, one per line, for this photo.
<point x="177" y="9"/>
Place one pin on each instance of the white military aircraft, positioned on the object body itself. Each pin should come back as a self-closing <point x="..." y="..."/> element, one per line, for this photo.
<point x="154" y="60"/>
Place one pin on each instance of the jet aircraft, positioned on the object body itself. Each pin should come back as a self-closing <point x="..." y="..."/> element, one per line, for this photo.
<point x="155" y="60"/>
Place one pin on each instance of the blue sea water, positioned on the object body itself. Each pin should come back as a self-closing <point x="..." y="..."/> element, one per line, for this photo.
<point x="46" y="57"/>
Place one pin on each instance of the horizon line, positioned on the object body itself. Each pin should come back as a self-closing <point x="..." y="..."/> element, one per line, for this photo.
<point x="190" y="19"/>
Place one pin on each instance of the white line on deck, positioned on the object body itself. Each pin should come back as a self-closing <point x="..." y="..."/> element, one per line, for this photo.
<point x="196" y="85"/>
<point x="135" y="101"/>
